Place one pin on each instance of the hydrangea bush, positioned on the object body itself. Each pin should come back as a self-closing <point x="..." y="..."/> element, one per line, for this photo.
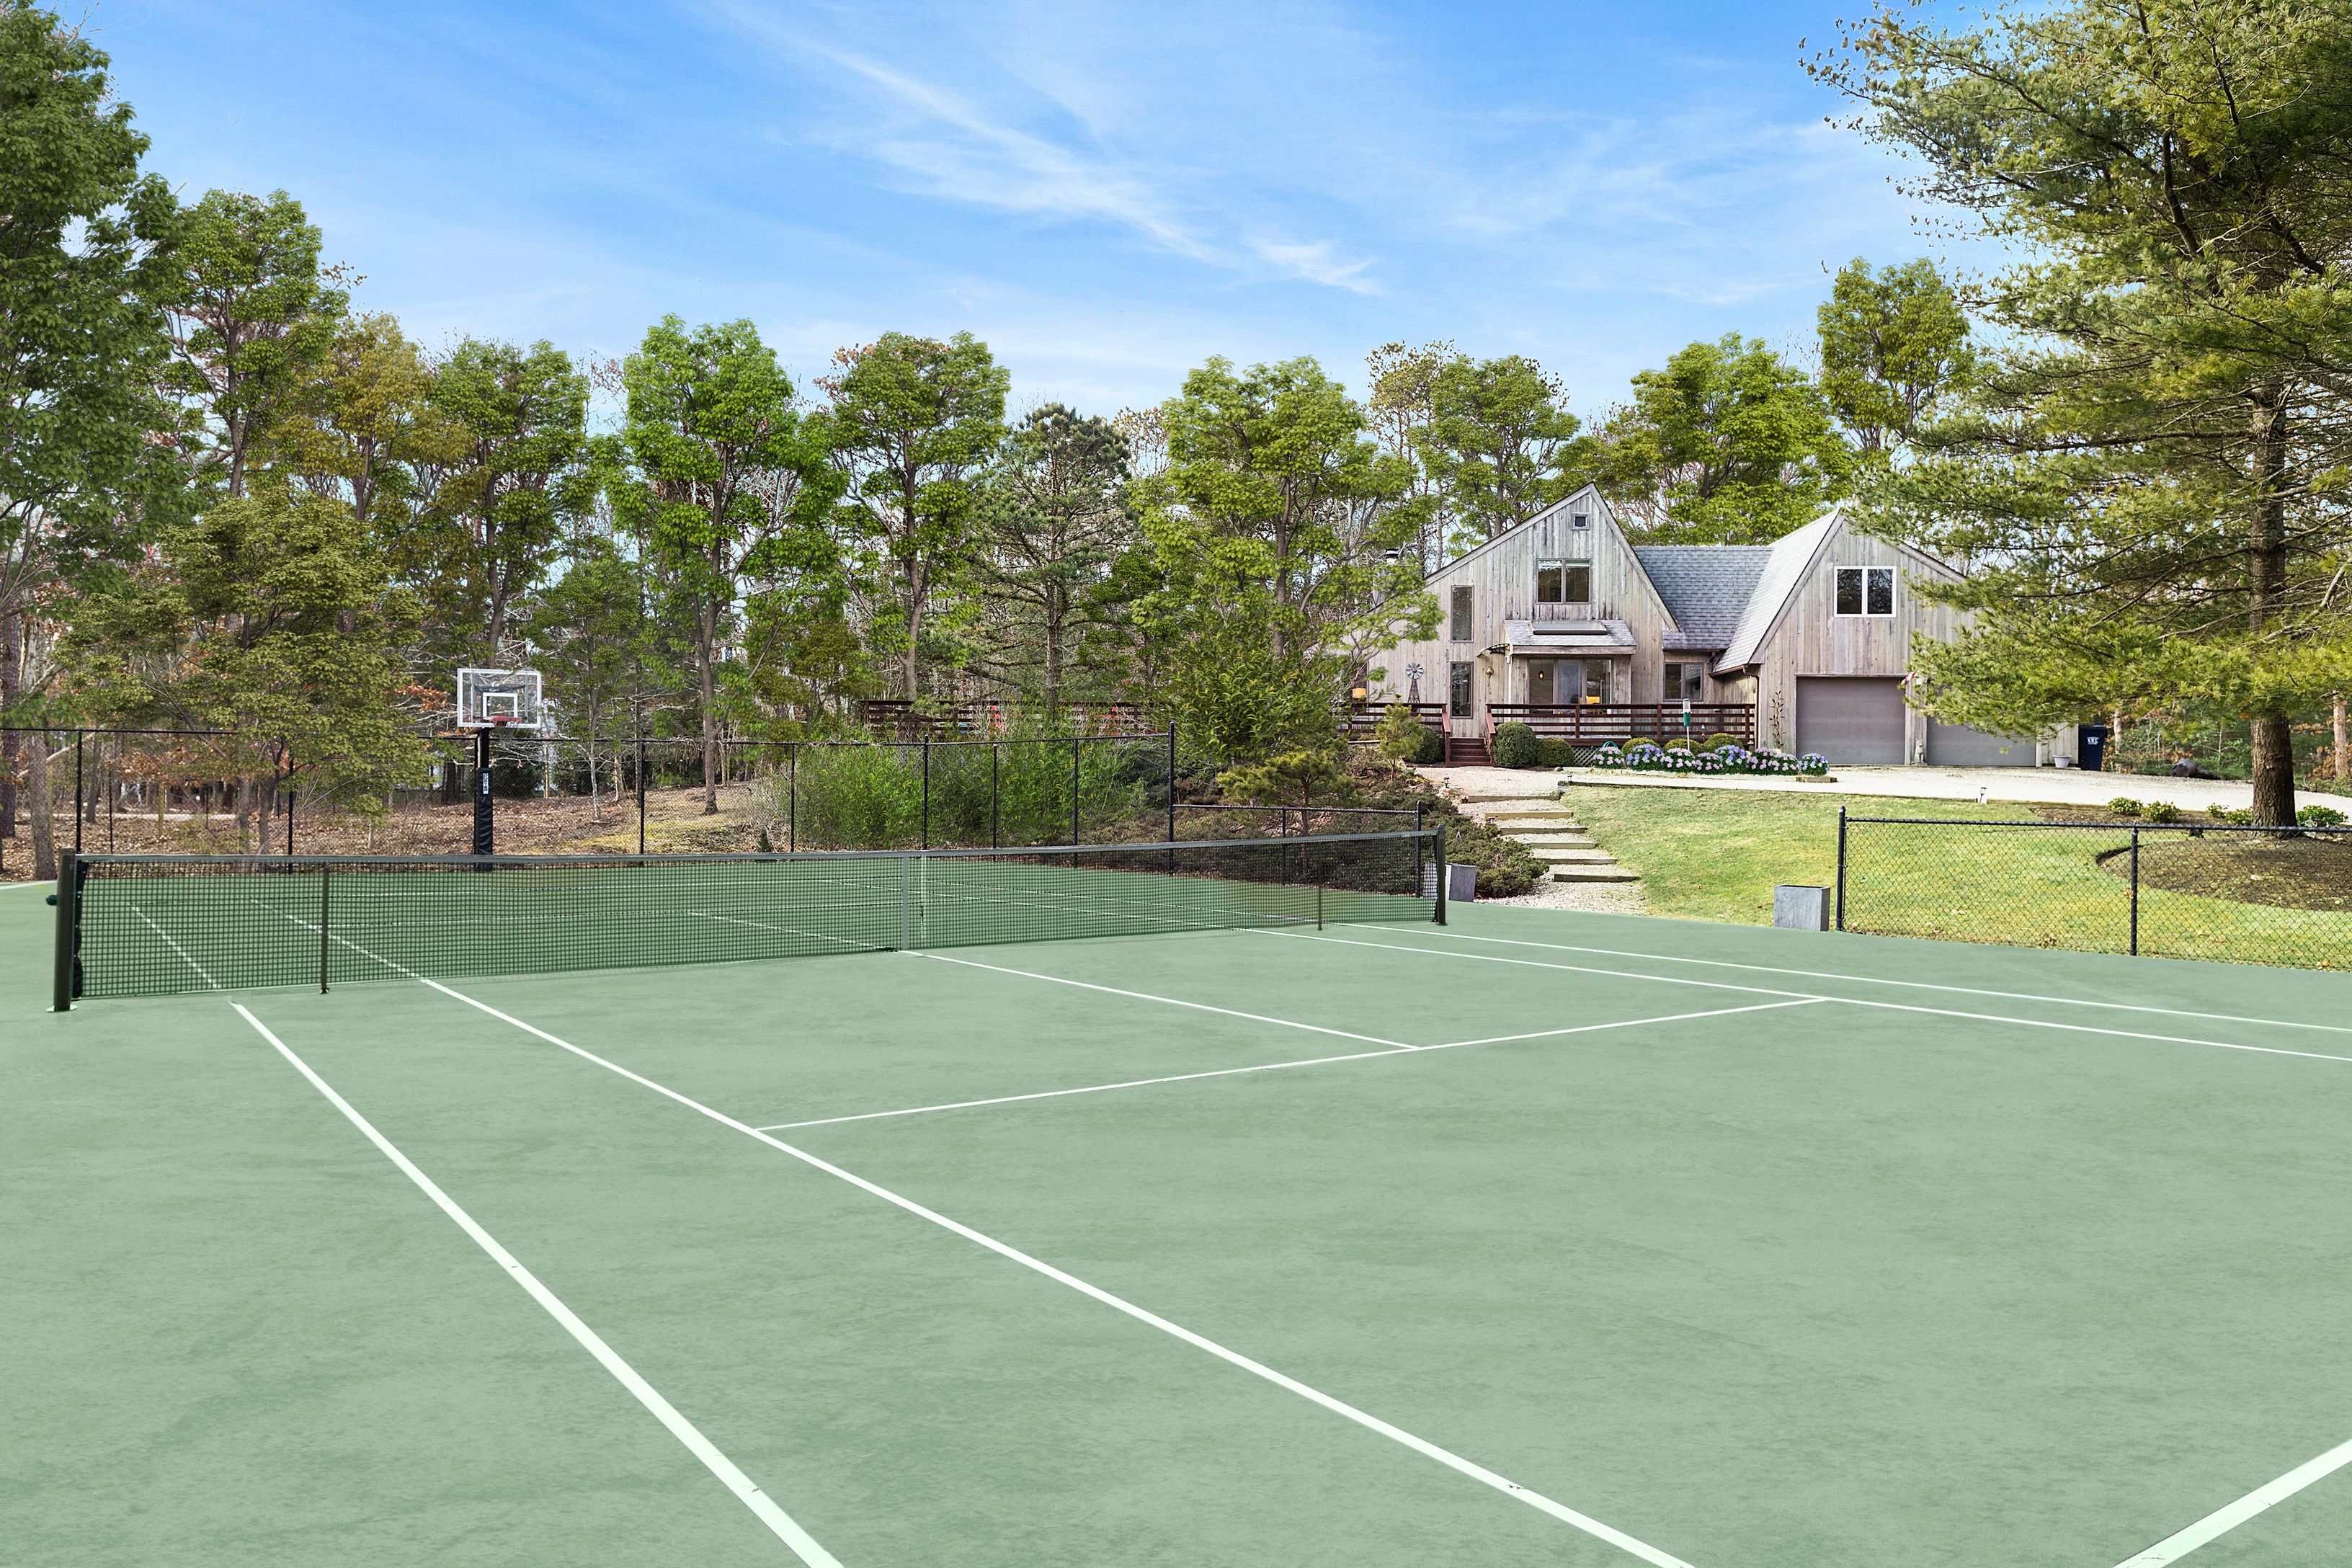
<point x="1648" y="756"/>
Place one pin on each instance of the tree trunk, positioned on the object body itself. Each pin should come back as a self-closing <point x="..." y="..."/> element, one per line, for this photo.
<point x="2274" y="745"/>
<point x="45" y="838"/>
<point x="1054" y="615"/>
<point x="707" y="654"/>
<point x="2343" y="748"/>
<point x="11" y="652"/>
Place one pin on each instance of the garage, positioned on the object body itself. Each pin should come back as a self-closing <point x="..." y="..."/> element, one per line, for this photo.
<point x="1851" y="719"/>
<point x="1958" y="746"/>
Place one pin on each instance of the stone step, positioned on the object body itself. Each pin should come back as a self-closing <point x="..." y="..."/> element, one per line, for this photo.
<point x="1545" y="839"/>
<point x="1527" y="822"/>
<point x="1594" y="873"/>
<point x="1564" y="856"/>
<point x="1496" y="799"/>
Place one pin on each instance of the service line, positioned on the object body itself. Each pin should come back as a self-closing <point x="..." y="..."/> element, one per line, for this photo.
<point x="1271" y="1067"/>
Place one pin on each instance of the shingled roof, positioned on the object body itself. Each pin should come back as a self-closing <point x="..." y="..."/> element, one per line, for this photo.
<point x="1705" y="588"/>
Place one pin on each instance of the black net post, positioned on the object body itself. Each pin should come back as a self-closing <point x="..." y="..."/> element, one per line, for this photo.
<point x="1840" y="870"/>
<point x="67" y="898"/>
<point x="1438" y="915"/>
<point x="1171" y="781"/>
<point x="641" y="794"/>
<point x="2134" y="892"/>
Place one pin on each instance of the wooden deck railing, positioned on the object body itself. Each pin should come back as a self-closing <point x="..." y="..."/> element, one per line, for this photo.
<point x="1360" y="721"/>
<point x="902" y="719"/>
<point x="1594" y="722"/>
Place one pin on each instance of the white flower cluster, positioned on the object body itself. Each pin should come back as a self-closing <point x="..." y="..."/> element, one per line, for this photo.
<point x="1648" y="756"/>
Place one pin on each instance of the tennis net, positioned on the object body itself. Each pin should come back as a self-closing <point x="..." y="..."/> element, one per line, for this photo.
<point x="135" y="925"/>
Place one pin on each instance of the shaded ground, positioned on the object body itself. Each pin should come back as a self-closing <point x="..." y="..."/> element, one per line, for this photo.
<point x="2303" y="873"/>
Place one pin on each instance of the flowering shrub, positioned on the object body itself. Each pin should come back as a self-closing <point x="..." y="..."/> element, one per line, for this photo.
<point x="1648" y="756"/>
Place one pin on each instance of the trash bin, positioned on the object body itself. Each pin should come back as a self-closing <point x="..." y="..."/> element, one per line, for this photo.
<point x="2093" y="748"/>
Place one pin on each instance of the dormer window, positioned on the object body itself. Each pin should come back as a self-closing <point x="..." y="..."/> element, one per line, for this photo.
<point x="1563" y="583"/>
<point x="1865" y="589"/>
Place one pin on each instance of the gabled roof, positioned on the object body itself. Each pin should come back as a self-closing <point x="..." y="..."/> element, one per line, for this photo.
<point x="1705" y="586"/>
<point x="1788" y="559"/>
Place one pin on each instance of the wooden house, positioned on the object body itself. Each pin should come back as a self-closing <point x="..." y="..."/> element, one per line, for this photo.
<point x="1801" y="645"/>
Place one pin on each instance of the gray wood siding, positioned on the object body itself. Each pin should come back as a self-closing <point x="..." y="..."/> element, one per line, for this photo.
<point x="1501" y="574"/>
<point x="1810" y="638"/>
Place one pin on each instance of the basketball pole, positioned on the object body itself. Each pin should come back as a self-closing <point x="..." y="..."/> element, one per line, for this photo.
<point x="485" y="827"/>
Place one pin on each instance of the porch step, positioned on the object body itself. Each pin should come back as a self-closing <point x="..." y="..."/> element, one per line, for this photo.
<point x="1466" y="751"/>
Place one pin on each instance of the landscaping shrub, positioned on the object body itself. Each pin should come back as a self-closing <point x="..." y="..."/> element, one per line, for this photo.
<point x="1516" y="747"/>
<point x="1407" y="738"/>
<point x="2163" y="811"/>
<point x="2319" y="816"/>
<point x="1717" y="740"/>
<point x="2125" y="806"/>
<point x="1554" y="753"/>
<point x="1506" y="868"/>
<point x="2223" y="813"/>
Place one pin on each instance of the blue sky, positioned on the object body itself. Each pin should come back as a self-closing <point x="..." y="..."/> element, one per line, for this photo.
<point x="1107" y="195"/>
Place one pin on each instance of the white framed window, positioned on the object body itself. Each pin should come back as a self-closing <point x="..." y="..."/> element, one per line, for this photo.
<point x="1865" y="589"/>
<point x="1563" y="583"/>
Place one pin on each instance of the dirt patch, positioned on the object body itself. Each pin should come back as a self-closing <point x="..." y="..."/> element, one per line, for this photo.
<point x="2305" y="872"/>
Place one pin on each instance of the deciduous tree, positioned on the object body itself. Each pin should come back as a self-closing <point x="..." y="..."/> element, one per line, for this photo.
<point x="1894" y="349"/>
<point x="1496" y="444"/>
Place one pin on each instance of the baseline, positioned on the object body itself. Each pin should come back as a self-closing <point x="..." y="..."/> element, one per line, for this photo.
<point x="1881" y="980"/>
<point x="1270" y="1067"/>
<point x="786" y="1529"/>
<point x="1844" y="1001"/>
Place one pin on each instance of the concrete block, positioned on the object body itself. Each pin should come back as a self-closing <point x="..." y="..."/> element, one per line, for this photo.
<point x="1798" y="908"/>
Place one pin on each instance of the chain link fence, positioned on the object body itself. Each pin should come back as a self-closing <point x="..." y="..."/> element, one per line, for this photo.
<point x="2239" y="895"/>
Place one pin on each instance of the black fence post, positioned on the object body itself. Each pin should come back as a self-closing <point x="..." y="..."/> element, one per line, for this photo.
<point x="324" y="872"/>
<point x="927" y="792"/>
<point x="289" y="810"/>
<point x="1075" y="745"/>
<point x="1840" y="870"/>
<point x="68" y="899"/>
<point x="1171" y="784"/>
<point x="996" y="800"/>
<point x="2135" y="891"/>
<point x="78" y="737"/>
<point x="641" y="794"/>
<point x="793" y="800"/>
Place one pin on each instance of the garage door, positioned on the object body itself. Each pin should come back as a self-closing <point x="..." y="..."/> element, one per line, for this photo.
<point x="1849" y="718"/>
<point x="1957" y="746"/>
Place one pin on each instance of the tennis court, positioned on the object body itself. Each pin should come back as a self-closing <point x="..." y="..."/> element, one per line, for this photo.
<point x="1529" y="1238"/>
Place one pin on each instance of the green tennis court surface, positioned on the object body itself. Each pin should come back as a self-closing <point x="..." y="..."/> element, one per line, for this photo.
<point x="1769" y="1266"/>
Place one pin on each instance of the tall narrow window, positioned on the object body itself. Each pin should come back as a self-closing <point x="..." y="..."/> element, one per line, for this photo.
<point x="1865" y="589"/>
<point x="1457" y="688"/>
<point x="1563" y="583"/>
<point x="1461" y="631"/>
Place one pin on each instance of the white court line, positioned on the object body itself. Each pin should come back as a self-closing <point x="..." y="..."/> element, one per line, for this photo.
<point x="2221" y="1520"/>
<point x="787" y="1529"/>
<point x="788" y="930"/>
<point x="1451" y="1460"/>
<point x="1880" y="980"/>
<point x="176" y="947"/>
<point x="1170" y="1001"/>
<point x="1445" y="1456"/>
<point x="1265" y="1066"/>
<point x="1843" y="1001"/>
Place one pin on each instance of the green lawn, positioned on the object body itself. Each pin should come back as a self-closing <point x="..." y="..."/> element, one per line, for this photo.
<point x="1715" y="854"/>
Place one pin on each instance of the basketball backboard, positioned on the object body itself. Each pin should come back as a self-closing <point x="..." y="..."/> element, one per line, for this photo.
<point x="498" y="700"/>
